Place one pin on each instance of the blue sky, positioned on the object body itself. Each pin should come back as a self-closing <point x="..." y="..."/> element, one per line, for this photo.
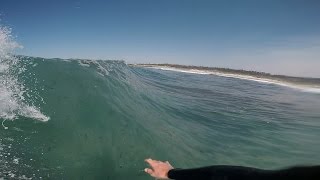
<point x="276" y="36"/>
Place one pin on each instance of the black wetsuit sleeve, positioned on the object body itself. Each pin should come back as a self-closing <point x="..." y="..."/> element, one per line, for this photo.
<point x="245" y="173"/>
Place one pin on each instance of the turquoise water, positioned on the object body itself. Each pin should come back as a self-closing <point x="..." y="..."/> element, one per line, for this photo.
<point x="79" y="119"/>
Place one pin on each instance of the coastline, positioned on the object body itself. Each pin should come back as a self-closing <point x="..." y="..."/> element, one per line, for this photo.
<point x="300" y="83"/>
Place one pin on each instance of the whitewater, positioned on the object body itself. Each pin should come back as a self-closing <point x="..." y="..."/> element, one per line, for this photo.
<point x="99" y="119"/>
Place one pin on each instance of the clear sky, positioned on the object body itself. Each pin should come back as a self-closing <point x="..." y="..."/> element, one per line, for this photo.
<point x="277" y="36"/>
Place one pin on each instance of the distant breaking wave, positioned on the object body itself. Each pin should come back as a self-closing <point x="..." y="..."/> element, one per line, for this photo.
<point x="303" y="84"/>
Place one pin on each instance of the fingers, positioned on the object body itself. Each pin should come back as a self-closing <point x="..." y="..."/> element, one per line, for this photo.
<point x="149" y="171"/>
<point x="148" y="160"/>
<point x="151" y="162"/>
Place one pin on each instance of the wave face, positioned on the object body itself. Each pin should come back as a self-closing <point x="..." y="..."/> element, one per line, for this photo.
<point x="84" y="119"/>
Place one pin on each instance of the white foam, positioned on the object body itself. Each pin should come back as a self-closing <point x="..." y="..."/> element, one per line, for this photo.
<point x="244" y="77"/>
<point x="16" y="160"/>
<point x="12" y="100"/>
<point x="95" y="63"/>
<point x="84" y="63"/>
<point x="66" y="60"/>
<point x="100" y="68"/>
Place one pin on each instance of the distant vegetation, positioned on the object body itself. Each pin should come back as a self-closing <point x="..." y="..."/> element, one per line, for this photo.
<point x="283" y="78"/>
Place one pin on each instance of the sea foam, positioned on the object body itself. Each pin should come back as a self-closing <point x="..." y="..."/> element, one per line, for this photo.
<point x="12" y="91"/>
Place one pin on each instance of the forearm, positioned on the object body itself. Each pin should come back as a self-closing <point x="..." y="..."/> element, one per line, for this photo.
<point x="245" y="173"/>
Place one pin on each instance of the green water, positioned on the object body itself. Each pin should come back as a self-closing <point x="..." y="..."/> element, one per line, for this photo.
<point x="107" y="117"/>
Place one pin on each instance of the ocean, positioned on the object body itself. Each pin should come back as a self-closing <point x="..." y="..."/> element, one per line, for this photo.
<point x="96" y="119"/>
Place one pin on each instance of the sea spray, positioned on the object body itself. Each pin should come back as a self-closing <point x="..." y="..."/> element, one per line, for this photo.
<point x="12" y="90"/>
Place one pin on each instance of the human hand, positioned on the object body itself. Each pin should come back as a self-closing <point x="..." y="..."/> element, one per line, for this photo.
<point x="159" y="169"/>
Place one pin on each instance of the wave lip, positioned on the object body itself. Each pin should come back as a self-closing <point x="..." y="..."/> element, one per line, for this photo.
<point x="304" y="84"/>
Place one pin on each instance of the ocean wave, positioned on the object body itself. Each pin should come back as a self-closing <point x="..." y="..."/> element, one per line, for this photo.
<point x="113" y="112"/>
<point x="13" y="93"/>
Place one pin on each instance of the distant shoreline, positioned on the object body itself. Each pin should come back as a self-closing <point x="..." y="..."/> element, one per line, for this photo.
<point x="296" y="82"/>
